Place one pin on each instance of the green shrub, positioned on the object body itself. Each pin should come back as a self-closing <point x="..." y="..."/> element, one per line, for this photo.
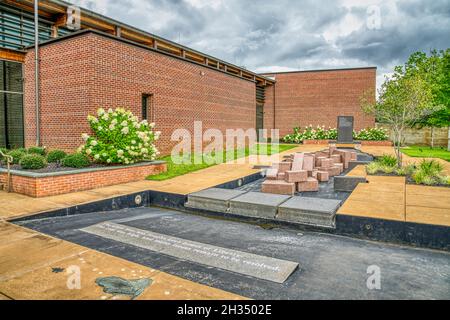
<point x="387" y="160"/>
<point x="431" y="167"/>
<point x="56" y="156"/>
<point x="76" y="160"/>
<point x="17" y="155"/>
<point x="33" y="162"/>
<point x="407" y="170"/>
<point x="119" y="137"/>
<point x="373" y="168"/>
<point x="320" y="133"/>
<point x="4" y="151"/>
<point x="387" y="169"/>
<point x="430" y="172"/>
<point x="371" y="134"/>
<point x="37" y="150"/>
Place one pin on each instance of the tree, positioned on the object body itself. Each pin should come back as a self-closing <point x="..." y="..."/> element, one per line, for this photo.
<point x="402" y="101"/>
<point x="435" y="70"/>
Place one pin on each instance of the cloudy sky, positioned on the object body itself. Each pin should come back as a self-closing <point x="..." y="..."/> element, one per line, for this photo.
<point x="285" y="35"/>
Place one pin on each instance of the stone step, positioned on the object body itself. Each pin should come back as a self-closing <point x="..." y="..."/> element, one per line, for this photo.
<point x="309" y="211"/>
<point x="257" y="204"/>
<point x="214" y="199"/>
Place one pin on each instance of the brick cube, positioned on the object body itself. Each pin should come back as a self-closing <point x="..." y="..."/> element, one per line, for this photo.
<point x="283" y="166"/>
<point x="296" y="176"/>
<point x="323" y="176"/>
<point x="278" y="187"/>
<point x="297" y="163"/>
<point x="326" y="163"/>
<point x="281" y="176"/>
<point x="319" y="161"/>
<point x="332" y="149"/>
<point x="272" y="174"/>
<point x="340" y="166"/>
<point x="308" y="163"/>
<point x="336" y="158"/>
<point x="353" y="156"/>
<point x="335" y="170"/>
<point x="310" y="185"/>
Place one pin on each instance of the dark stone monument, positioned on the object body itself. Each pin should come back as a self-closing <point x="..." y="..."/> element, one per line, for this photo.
<point x="345" y="129"/>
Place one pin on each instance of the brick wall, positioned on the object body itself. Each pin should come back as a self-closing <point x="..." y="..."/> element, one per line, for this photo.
<point x="82" y="73"/>
<point x="61" y="184"/>
<point x="319" y="97"/>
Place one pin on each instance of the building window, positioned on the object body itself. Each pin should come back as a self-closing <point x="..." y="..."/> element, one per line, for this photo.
<point x="147" y="107"/>
<point x="11" y="105"/>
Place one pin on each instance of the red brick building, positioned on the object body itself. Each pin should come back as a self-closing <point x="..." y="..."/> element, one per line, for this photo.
<point x="318" y="97"/>
<point x="108" y="64"/>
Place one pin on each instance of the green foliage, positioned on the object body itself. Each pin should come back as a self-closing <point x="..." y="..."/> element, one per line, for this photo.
<point x="17" y="155"/>
<point x="430" y="172"/>
<point x="320" y="133"/>
<point x="76" y="160"/>
<point x="387" y="160"/>
<point x="37" y="150"/>
<point x="33" y="161"/>
<point x="56" y="156"/>
<point x="119" y="138"/>
<point x="427" y="152"/>
<point x="407" y="170"/>
<point x="4" y="150"/>
<point x="385" y="164"/>
<point x="435" y="70"/>
<point x="403" y="99"/>
<point x="371" y="134"/>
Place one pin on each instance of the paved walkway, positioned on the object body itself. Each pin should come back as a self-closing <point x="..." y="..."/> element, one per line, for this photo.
<point x="391" y="198"/>
<point x="34" y="266"/>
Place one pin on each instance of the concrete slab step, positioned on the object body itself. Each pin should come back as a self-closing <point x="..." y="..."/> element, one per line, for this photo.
<point x="257" y="204"/>
<point x="309" y="211"/>
<point x="214" y="199"/>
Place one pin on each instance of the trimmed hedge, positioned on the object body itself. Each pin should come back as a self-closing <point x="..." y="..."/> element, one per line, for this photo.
<point x="33" y="162"/>
<point x="76" y="160"/>
<point x="17" y="155"/>
<point x="56" y="156"/>
<point x="37" y="150"/>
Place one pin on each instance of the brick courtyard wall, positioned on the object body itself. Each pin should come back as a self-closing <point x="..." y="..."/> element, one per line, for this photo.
<point x="66" y="183"/>
<point x="319" y="97"/>
<point x="83" y="73"/>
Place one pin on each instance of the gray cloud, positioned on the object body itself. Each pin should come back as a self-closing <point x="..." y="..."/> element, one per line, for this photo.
<point x="291" y="34"/>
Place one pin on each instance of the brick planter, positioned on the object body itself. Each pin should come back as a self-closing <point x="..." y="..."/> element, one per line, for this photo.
<point x="377" y="143"/>
<point x="325" y="142"/>
<point x="363" y="143"/>
<point x="48" y="184"/>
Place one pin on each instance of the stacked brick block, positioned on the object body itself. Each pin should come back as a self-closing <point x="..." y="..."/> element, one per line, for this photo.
<point x="303" y="172"/>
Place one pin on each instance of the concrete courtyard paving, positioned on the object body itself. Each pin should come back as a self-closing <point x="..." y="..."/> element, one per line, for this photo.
<point x="331" y="267"/>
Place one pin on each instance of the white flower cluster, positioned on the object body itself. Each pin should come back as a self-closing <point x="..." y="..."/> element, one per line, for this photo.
<point x="119" y="138"/>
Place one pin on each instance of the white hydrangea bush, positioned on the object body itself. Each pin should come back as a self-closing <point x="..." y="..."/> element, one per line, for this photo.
<point x="119" y="138"/>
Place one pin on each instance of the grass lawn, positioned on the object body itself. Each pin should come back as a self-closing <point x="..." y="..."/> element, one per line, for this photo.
<point x="427" y="152"/>
<point x="175" y="170"/>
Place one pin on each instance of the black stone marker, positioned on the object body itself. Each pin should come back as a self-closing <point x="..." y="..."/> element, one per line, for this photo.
<point x="345" y="129"/>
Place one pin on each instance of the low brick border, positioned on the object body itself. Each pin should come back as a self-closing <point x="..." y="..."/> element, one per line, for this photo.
<point x="39" y="185"/>
<point x="363" y="143"/>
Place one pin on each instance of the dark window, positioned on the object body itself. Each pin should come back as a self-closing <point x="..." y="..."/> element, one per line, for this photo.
<point x="11" y="105"/>
<point x="147" y="108"/>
